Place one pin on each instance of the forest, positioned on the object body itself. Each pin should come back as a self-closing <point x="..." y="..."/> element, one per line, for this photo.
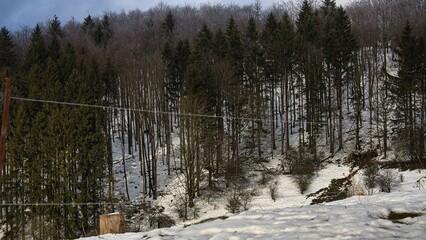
<point x="205" y="92"/>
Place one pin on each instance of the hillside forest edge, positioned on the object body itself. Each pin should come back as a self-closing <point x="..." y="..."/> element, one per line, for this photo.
<point x="205" y="92"/>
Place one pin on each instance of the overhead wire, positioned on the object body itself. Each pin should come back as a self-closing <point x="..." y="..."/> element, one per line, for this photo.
<point x="154" y="111"/>
<point x="172" y="113"/>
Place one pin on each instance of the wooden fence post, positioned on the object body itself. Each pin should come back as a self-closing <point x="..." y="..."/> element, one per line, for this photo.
<point x="3" y="135"/>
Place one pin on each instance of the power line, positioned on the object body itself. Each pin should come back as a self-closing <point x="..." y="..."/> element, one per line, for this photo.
<point x="173" y="113"/>
<point x="151" y="111"/>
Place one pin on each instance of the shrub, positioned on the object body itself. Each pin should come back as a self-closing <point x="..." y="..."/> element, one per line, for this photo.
<point x="370" y="176"/>
<point x="289" y="163"/>
<point x="362" y="158"/>
<point x="245" y="198"/>
<point x="148" y="218"/>
<point x="233" y="202"/>
<point x="303" y="181"/>
<point x="303" y="172"/>
<point x="266" y="177"/>
<point x="273" y="189"/>
<point x="183" y="210"/>
<point x="180" y="207"/>
<point x="387" y="180"/>
<point x="157" y="218"/>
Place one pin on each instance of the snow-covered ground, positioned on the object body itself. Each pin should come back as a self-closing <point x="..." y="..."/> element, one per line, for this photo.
<point x="359" y="217"/>
<point x="291" y="216"/>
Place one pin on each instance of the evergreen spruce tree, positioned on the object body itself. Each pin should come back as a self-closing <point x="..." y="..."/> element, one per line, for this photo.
<point x="328" y="7"/>
<point x="404" y="87"/>
<point x="67" y="63"/>
<point x="204" y="40"/>
<point x="220" y="75"/>
<point x="38" y="173"/>
<point x="97" y="35"/>
<point x="88" y="25"/>
<point x="251" y="33"/>
<point x="100" y="32"/>
<point x="88" y="146"/>
<point x="235" y="48"/>
<point x="51" y="81"/>
<point x="181" y="58"/>
<point x="219" y="44"/>
<point x="8" y="59"/>
<point x="111" y="97"/>
<point x="15" y="181"/>
<point x="55" y="34"/>
<point x="285" y="35"/>
<point x="253" y="67"/>
<point x="345" y="51"/>
<point x="236" y="97"/>
<point x="37" y="52"/>
<point x="199" y="96"/>
<point x="168" y="25"/>
<point x="208" y="94"/>
<point x="107" y="31"/>
<point x="307" y="23"/>
<point x="24" y="154"/>
<point x="339" y="50"/>
<point x="270" y="43"/>
<point x="57" y="154"/>
<point x="310" y="67"/>
<point x="42" y="83"/>
<point x="329" y="42"/>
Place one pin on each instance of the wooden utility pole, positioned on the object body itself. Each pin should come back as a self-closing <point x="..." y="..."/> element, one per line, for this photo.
<point x="3" y="132"/>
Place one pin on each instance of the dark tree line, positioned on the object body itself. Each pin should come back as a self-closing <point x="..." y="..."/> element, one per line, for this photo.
<point x="55" y="153"/>
<point x="217" y="88"/>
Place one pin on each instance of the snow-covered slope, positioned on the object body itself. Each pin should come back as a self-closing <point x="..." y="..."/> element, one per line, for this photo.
<point x="359" y="217"/>
<point x="290" y="216"/>
<point x="394" y="215"/>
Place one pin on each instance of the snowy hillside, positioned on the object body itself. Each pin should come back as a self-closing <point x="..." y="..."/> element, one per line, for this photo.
<point x="365" y="215"/>
<point x="373" y="215"/>
<point x="394" y="215"/>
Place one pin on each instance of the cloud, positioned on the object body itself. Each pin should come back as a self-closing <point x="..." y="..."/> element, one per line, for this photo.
<point x="11" y="13"/>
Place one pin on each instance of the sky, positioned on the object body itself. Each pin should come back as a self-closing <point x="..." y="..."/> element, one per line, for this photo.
<point x="15" y="14"/>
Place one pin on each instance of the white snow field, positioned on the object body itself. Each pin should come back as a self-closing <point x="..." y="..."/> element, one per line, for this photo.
<point x="359" y="217"/>
<point x="400" y="214"/>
